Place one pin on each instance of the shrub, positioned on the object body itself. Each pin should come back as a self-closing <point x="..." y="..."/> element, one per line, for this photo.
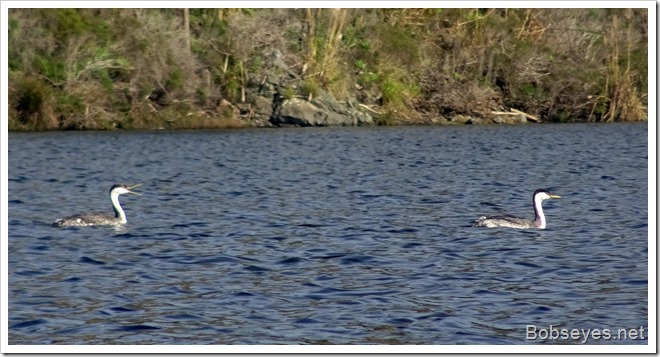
<point x="32" y="105"/>
<point x="97" y="68"/>
<point x="310" y="88"/>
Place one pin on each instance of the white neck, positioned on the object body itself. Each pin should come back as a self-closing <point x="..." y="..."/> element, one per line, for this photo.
<point x="539" y="221"/>
<point x="119" y="212"/>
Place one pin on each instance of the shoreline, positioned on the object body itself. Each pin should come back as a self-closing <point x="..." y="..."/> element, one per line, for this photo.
<point x="273" y="127"/>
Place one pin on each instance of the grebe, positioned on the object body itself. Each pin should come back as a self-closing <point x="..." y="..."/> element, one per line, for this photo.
<point x="95" y="219"/>
<point x="514" y="222"/>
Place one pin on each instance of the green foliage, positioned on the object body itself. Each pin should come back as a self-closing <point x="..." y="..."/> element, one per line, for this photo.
<point x="400" y="40"/>
<point x="232" y="89"/>
<point x="393" y="91"/>
<point x="458" y="76"/>
<point x="13" y="24"/>
<point x="292" y="35"/>
<point x="310" y="87"/>
<point x="638" y="61"/>
<point x="67" y="22"/>
<point x="365" y="46"/>
<point x="70" y="104"/>
<point x="202" y="95"/>
<point x="288" y="93"/>
<point x="599" y="108"/>
<point x="360" y="65"/>
<point x="255" y="63"/>
<point x="350" y="37"/>
<point x="431" y="61"/>
<point x="51" y="68"/>
<point x="104" y="77"/>
<point x="175" y="80"/>
<point x="368" y="79"/>
<point x="529" y="91"/>
<point x="396" y="92"/>
<point x="399" y="47"/>
<point x="103" y="32"/>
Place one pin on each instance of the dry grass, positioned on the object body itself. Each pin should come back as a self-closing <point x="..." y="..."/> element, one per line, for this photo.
<point x="133" y="68"/>
<point x="624" y="101"/>
<point x="31" y="103"/>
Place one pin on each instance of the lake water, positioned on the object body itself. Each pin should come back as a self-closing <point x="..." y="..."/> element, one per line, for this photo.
<point x="329" y="235"/>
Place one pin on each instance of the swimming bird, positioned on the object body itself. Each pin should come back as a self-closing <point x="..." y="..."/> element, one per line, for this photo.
<point x="96" y="219"/>
<point x="514" y="222"/>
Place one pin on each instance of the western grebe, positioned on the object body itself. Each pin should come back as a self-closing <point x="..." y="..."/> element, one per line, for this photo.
<point x="514" y="222"/>
<point x="95" y="219"/>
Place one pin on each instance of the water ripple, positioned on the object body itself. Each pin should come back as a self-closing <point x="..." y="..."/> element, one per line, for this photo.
<point x="327" y="236"/>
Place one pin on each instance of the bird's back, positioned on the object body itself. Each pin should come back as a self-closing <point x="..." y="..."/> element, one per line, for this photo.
<point x="503" y="221"/>
<point x="81" y="220"/>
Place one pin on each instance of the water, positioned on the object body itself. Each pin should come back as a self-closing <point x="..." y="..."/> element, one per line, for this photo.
<point x="339" y="236"/>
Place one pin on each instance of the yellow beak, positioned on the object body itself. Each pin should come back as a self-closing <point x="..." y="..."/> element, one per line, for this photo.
<point x="132" y="187"/>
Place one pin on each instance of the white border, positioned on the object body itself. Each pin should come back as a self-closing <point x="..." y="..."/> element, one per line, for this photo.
<point x="233" y="349"/>
<point x="4" y="189"/>
<point x="344" y="349"/>
<point x="653" y="179"/>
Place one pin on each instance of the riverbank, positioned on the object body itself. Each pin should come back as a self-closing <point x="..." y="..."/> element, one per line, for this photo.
<point x="104" y="69"/>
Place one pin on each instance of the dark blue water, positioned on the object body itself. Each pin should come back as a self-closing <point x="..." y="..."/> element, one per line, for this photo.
<point x="339" y="236"/>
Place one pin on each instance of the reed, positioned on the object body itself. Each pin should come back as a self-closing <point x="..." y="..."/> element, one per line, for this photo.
<point x="623" y="101"/>
<point x="323" y="33"/>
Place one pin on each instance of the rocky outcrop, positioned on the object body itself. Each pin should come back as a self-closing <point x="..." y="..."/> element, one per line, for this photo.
<point x="323" y="110"/>
<point x="267" y="105"/>
<point x="493" y="118"/>
<point x="274" y="98"/>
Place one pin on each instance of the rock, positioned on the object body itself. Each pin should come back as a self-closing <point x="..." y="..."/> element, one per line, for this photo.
<point x="362" y="118"/>
<point x="302" y="113"/>
<point x="227" y="109"/>
<point x="499" y="120"/>
<point x="472" y="120"/>
<point x="323" y="110"/>
<point x="521" y="118"/>
<point x="440" y="120"/>
<point x="263" y="106"/>
<point x="509" y="119"/>
<point x="326" y="101"/>
<point x="460" y="119"/>
<point x="360" y="113"/>
<point x="277" y="61"/>
<point x="273" y="80"/>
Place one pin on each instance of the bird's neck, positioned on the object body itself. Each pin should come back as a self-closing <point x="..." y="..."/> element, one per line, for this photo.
<point x="539" y="221"/>
<point x="119" y="212"/>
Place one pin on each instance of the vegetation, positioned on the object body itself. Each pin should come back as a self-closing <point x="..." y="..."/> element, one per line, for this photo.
<point x="172" y="68"/>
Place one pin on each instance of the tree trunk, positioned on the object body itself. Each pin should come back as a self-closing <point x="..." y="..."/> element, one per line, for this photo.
<point x="186" y="27"/>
